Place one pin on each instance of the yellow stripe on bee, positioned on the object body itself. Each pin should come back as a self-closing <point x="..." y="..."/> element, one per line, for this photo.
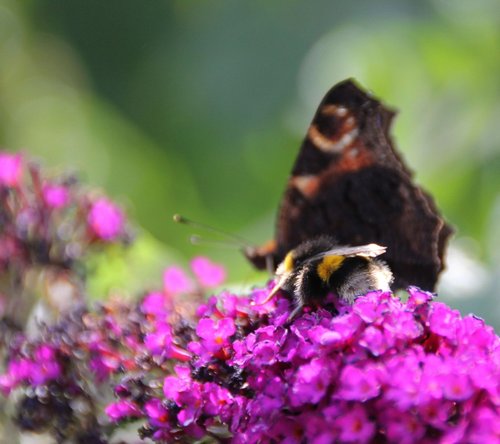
<point x="288" y="262"/>
<point x="328" y="265"/>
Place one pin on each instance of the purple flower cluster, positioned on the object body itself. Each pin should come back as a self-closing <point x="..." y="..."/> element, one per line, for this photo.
<point x="50" y="221"/>
<point x="49" y="227"/>
<point x="39" y="368"/>
<point x="55" y="377"/>
<point x="382" y="370"/>
<point x="86" y="352"/>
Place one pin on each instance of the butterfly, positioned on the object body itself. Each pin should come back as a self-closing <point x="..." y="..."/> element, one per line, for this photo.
<point x="350" y="188"/>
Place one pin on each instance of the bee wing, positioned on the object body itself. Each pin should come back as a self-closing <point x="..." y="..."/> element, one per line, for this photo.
<point x="369" y="250"/>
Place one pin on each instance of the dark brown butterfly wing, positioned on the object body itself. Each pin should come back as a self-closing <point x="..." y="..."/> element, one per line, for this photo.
<point x="349" y="182"/>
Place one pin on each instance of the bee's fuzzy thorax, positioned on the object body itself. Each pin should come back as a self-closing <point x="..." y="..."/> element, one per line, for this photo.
<point x="310" y="248"/>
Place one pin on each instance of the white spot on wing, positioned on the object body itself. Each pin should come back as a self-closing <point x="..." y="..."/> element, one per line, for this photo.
<point x="331" y="146"/>
<point x="334" y="110"/>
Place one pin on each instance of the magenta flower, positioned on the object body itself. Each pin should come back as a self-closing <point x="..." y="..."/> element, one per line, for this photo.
<point x="186" y="393"/>
<point x="45" y="366"/>
<point x="405" y="379"/>
<point x="156" y="304"/>
<point x="360" y="384"/>
<point x="18" y="370"/>
<point x="218" y="401"/>
<point x="455" y="381"/>
<point x="374" y="340"/>
<point x="104" y="361"/>
<point x="160" y="341"/>
<point x="311" y="382"/>
<point x="486" y="426"/>
<point x="207" y="272"/>
<point x="45" y="353"/>
<point x="106" y="220"/>
<point x="403" y="427"/>
<point x="123" y="409"/>
<point x="55" y="196"/>
<point x="10" y="169"/>
<point x="176" y="281"/>
<point x="156" y="412"/>
<point x="41" y="368"/>
<point x="443" y="320"/>
<point x="45" y="371"/>
<point x="7" y="382"/>
<point x="265" y="352"/>
<point x="174" y="386"/>
<point x="354" y="425"/>
<point x="215" y="334"/>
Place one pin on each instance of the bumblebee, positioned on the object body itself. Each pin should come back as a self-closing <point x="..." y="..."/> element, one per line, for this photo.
<point x="320" y="266"/>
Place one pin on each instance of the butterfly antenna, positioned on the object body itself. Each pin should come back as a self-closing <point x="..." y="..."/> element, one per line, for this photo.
<point x="231" y="239"/>
<point x="196" y="239"/>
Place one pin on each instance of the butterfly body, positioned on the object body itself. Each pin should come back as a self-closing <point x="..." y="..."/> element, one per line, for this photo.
<point x="350" y="183"/>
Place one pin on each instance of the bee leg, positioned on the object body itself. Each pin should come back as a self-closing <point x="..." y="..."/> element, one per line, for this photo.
<point x="294" y="314"/>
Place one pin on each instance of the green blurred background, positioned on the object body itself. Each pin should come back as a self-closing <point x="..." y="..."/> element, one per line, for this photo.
<point x="200" y="107"/>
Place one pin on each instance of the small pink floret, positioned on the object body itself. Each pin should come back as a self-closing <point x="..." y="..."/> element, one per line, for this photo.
<point x="10" y="169"/>
<point x="55" y="196"/>
<point x="106" y="219"/>
<point x="176" y="281"/>
<point x="122" y="409"/>
<point x="208" y="273"/>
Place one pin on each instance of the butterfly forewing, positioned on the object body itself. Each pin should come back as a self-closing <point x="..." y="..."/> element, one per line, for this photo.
<point x="349" y="182"/>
